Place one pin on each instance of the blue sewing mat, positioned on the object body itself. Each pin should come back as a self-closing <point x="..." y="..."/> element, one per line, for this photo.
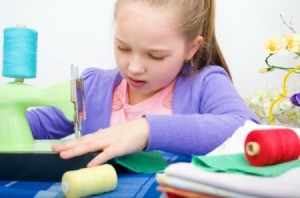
<point x="129" y="185"/>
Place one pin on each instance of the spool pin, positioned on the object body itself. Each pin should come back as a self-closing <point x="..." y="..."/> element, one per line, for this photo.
<point x="21" y="80"/>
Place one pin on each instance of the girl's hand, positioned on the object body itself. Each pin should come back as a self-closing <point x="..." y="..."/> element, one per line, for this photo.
<point x="115" y="141"/>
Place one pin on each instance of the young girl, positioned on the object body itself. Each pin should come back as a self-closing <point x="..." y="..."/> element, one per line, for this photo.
<point x="172" y="90"/>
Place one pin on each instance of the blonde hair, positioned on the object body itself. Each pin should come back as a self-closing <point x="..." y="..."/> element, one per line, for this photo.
<point x="197" y="19"/>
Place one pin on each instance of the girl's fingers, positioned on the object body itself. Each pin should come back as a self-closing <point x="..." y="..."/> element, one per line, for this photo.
<point x="73" y="143"/>
<point x="83" y="148"/>
<point x="74" y="151"/>
<point x="103" y="157"/>
<point x="61" y="147"/>
<point x="110" y="142"/>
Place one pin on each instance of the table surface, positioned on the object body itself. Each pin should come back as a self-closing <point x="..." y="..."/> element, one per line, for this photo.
<point x="129" y="185"/>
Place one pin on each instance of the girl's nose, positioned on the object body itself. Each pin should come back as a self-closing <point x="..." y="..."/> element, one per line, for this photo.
<point x="136" y="65"/>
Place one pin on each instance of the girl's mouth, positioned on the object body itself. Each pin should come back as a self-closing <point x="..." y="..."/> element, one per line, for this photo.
<point x="136" y="83"/>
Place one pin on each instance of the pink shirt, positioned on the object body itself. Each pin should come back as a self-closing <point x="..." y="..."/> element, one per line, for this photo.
<point x="160" y="103"/>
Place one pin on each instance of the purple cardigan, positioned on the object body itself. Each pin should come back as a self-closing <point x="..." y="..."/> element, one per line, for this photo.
<point x="207" y="110"/>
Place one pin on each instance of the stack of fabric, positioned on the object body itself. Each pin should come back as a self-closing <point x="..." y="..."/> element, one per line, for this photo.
<point x="225" y="172"/>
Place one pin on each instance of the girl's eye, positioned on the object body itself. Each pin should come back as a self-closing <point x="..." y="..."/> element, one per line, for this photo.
<point x="158" y="58"/>
<point x="123" y="49"/>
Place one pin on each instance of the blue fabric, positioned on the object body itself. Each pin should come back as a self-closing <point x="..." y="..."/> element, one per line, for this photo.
<point x="129" y="185"/>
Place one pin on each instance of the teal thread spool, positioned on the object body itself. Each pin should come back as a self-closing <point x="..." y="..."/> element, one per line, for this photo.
<point x="20" y="52"/>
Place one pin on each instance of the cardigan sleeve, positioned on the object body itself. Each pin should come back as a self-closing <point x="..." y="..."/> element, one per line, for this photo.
<point x="218" y="112"/>
<point x="50" y="122"/>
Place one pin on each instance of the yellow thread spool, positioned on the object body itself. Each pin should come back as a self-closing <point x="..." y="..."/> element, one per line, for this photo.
<point x="89" y="181"/>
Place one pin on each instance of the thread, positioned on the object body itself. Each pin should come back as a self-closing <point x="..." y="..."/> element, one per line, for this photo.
<point x="19" y="52"/>
<point x="89" y="181"/>
<point x="271" y="146"/>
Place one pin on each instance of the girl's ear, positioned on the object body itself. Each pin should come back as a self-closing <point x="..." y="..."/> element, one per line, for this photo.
<point x="193" y="47"/>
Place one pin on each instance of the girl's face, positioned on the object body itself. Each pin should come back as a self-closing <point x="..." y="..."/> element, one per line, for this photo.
<point x="149" y="50"/>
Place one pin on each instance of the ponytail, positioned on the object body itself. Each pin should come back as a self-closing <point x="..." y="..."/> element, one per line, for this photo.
<point x="209" y="52"/>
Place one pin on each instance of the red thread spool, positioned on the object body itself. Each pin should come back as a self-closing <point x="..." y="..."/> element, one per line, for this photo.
<point x="271" y="146"/>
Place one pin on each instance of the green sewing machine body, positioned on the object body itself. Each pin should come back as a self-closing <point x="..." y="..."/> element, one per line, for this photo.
<point x="15" y="99"/>
<point x="22" y="157"/>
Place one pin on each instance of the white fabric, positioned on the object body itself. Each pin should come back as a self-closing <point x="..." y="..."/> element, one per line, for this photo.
<point x="192" y="186"/>
<point x="285" y="185"/>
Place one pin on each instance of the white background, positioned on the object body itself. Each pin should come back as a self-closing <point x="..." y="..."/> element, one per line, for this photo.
<point x="80" y="32"/>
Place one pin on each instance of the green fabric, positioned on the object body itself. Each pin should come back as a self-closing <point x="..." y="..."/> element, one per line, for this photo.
<point x="143" y="162"/>
<point x="237" y="163"/>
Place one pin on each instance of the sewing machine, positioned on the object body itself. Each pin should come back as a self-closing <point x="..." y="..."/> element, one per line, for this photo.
<point x="22" y="157"/>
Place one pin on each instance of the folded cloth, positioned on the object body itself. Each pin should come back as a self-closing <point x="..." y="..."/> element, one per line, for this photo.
<point x="179" y="193"/>
<point x="195" y="187"/>
<point x="143" y="162"/>
<point x="284" y="185"/>
<point x="237" y="163"/>
<point x="190" y="177"/>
